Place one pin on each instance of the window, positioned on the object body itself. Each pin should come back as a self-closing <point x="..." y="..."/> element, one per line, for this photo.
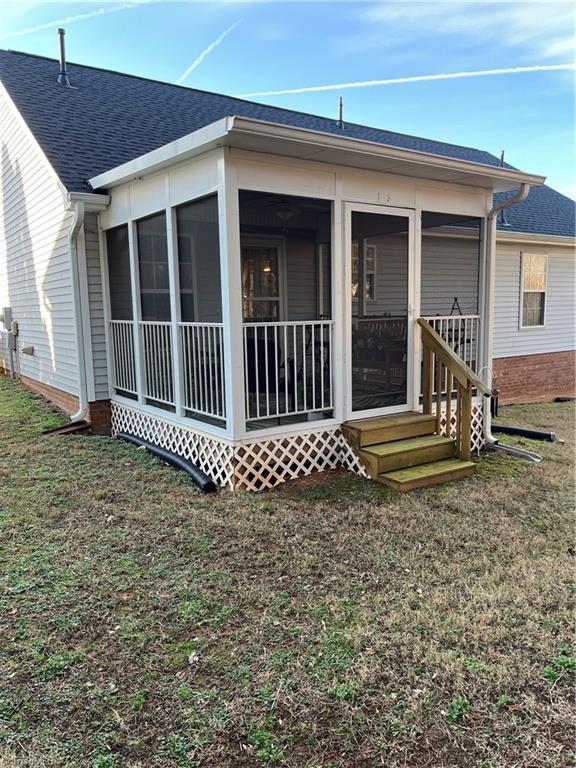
<point x="533" y="293"/>
<point x="199" y="261"/>
<point x="153" y="263"/>
<point x="369" y="270"/>
<point x="261" y="283"/>
<point x="119" y="273"/>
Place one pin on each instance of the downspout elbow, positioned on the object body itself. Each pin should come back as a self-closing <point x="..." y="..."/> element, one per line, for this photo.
<point x="519" y="197"/>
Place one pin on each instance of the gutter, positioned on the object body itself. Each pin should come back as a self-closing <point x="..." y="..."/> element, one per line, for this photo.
<point x="490" y="441"/>
<point x="77" y="209"/>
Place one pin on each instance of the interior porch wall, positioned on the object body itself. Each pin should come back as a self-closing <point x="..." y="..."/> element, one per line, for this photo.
<point x="450" y="269"/>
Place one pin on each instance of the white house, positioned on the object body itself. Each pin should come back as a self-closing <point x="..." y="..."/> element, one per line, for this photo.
<point x="262" y="291"/>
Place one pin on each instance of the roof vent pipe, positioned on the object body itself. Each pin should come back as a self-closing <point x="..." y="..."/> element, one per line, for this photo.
<point x="340" y="113"/>
<point x="63" y="78"/>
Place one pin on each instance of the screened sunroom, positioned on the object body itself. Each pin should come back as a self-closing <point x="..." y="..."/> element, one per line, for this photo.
<point x="172" y="357"/>
<point x="257" y="300"/>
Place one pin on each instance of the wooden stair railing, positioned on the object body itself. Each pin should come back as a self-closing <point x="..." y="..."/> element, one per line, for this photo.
<point x="442" y="365"/>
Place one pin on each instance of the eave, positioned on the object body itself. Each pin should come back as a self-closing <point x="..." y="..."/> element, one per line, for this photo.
<point x="274" y="139"/>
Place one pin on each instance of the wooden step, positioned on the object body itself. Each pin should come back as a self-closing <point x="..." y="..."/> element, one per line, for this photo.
<point x="387" y="429"/>
<point x="402" y="454"/>
<point x="427" y="474"/>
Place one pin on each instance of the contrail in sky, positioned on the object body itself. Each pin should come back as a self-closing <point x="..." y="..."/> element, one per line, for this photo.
<point x="416" y="79"/>
<point x="197" y="61"/>
<point x="73" y="19"/>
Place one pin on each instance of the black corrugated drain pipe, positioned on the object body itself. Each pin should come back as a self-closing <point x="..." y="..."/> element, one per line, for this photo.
<point x="532" y="434"/>
<point x="204" y="483"/>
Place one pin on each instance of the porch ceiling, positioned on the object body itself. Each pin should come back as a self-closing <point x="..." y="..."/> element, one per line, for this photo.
<point x="275" y="139"/>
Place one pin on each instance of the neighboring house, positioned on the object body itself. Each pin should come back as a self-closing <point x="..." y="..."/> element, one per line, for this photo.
<point x="256" y="288"/>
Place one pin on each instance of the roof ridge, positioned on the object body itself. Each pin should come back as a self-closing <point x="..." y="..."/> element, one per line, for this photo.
<point x="248" y="101"/>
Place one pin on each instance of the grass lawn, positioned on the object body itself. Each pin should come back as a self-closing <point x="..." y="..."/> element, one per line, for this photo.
<point x="144" y="625"/>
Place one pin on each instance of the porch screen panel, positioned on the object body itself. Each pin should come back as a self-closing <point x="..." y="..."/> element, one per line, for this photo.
<point x="119" y="273"/>
<point x="153" y="268"/>
<point x="379" y="288"/>
<point x="121" y="313"/>
<point x="199" y="261"/>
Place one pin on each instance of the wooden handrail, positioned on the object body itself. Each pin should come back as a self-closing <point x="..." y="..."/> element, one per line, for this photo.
<point x="460" y="370"/>
<point x="441" y="363"/>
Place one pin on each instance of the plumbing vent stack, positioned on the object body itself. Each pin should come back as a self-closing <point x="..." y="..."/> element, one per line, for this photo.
<point x="63" y="78"/>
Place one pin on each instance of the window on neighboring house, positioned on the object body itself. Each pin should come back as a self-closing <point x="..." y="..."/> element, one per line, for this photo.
<point x="369" y="270"/>
<point x="533" y="294"/>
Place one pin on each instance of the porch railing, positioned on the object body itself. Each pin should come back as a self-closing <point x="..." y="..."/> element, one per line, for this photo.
<point x="122" y="333"/>
<point x="288" y="368"/>
<point x="158" y="373"/>
<point x="202" y="346"/>
<point x="443" y="370"/>
<point x="461" y="333"/>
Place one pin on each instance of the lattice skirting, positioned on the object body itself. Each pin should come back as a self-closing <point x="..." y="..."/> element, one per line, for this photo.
<point x="213" y="456"/>
<point x="477" y="424"/>
<point x="253" y="465"/>
<point x="260" y="463"/>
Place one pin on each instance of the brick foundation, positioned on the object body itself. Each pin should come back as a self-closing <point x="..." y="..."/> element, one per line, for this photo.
<point x="535" y="378"/>
<point x="64" y="401"/>
<point x="100" y="417"/>
<point x="99" y="414"/>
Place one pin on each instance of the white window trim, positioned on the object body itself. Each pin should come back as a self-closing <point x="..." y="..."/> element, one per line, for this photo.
<point x="521" y="326"/>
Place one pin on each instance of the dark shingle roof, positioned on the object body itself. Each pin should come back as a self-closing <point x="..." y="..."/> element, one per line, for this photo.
<point x="544" y="212"/>
<point x="108" y="118"/>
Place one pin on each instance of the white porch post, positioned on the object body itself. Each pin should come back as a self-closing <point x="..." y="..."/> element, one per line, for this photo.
<point x="412" y="316"/>
<point x="339" y="305"/>
<point x="231" y="286"/>
<point x="136" y="311"/>
<point x="174" y="283"/>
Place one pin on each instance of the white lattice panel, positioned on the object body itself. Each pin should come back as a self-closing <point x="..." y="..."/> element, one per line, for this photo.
<point x="477" y="424"/>
<point x="262" y="464"/>
<point x="254" y="465"/>
<point x="213" y="456"/>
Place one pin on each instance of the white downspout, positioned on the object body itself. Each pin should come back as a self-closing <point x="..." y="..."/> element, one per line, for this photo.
<point x="77" y="209"/>
<point x="490" y="287"/>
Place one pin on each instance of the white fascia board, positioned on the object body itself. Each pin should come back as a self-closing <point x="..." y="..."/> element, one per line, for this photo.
<point x="527" y="238"/>
<point x="188" y="146"/>
<point x="311" y="145"/>
<point x="469" y="170"/>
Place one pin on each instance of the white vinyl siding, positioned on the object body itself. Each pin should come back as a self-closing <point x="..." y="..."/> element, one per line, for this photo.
<point x="301" y="276"/>
<point x="96" y="306"/>
<point x="35" y="256"/>
<point x="558" y="334"/>
<point x="449" y="270"/>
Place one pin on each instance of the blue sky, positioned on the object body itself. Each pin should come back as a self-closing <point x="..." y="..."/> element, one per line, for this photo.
<point x="254" y="47"/>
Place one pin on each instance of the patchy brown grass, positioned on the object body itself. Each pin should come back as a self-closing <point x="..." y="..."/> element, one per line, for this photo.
<point x="322" y="625"/>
